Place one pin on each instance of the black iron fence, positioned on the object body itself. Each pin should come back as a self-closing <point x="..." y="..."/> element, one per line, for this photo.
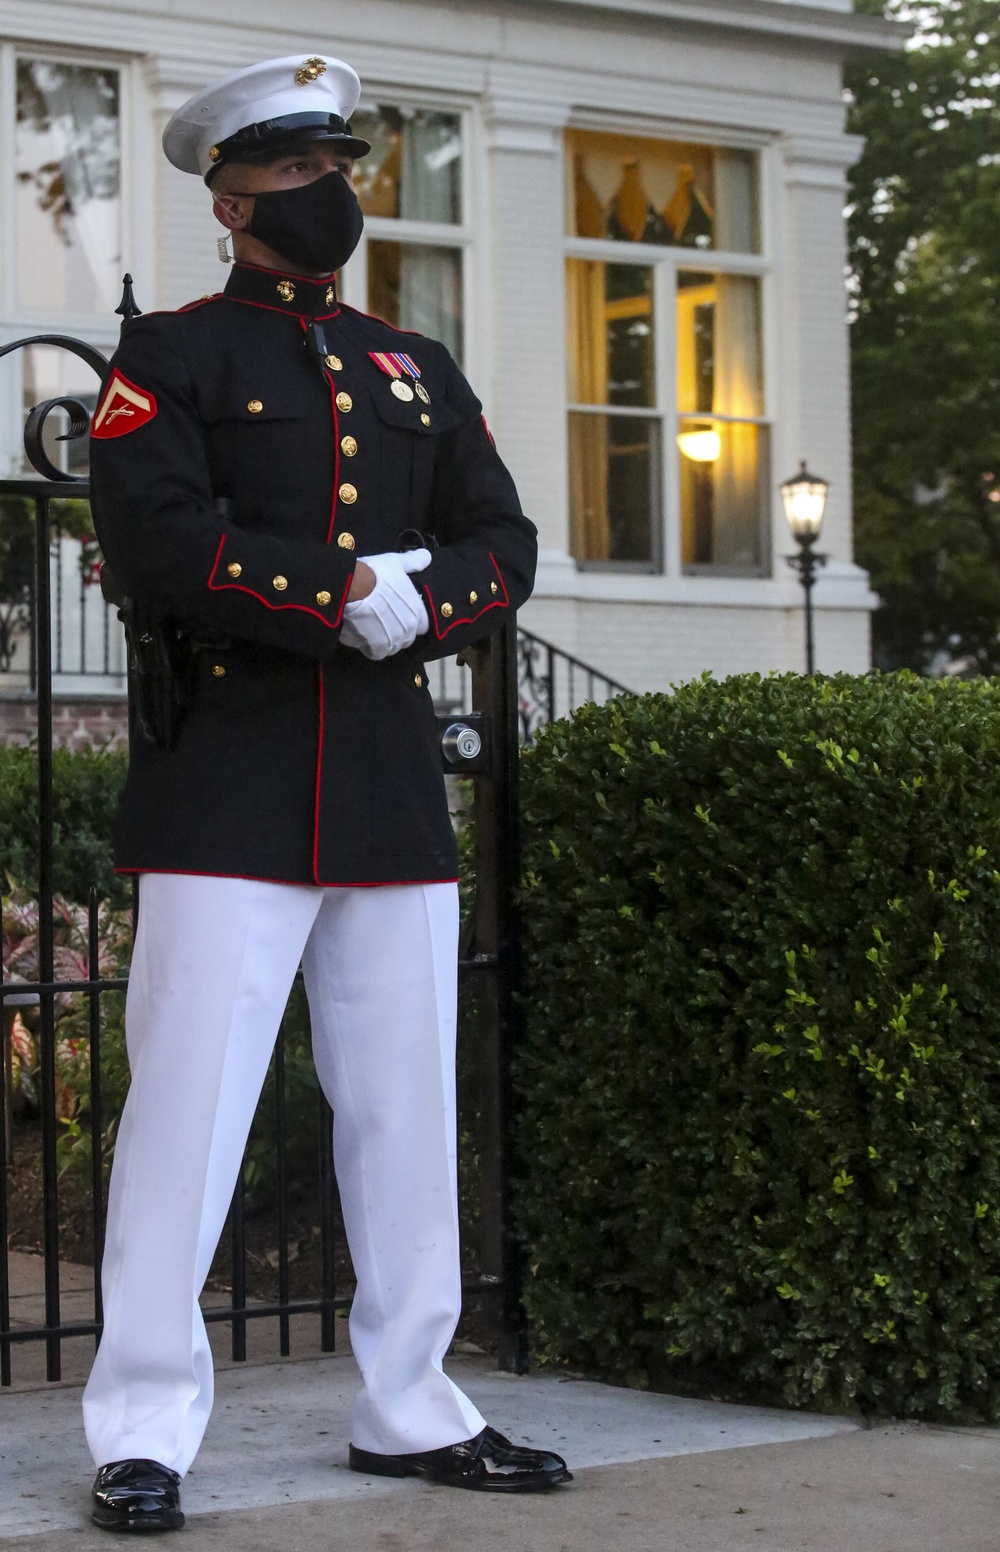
<point x="501" y="692"/>
<point x="481" y="745"/>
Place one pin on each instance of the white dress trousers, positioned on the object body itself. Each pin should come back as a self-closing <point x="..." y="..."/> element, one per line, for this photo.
<point x="213" y="965"/>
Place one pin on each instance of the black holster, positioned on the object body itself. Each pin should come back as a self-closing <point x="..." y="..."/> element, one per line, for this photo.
<point x="160" y="665"/>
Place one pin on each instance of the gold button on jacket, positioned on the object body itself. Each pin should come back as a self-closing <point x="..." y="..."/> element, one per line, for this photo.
<point x="334" y="363"/>
<point x="345" y="540"/>
<point x="348" y="494"/>
<point x="344" y="402"/>
<point x="255" y="406"/>
<point x="447" y="611"/>
<point x="323" y="598"/>
<point x="235" y="569"/>
<point x="348" y="446"/>
<point x="473" y="598"/>
<point x="280" y="583"/>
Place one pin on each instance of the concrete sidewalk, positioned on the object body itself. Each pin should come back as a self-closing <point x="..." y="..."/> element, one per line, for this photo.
<point x="652" y="1472"/>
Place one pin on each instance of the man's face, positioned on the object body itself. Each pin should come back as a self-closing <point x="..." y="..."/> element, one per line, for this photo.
<point x="236" y="184"/>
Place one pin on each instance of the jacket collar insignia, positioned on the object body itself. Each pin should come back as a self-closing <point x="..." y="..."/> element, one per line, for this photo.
<point x="281" y="292"/>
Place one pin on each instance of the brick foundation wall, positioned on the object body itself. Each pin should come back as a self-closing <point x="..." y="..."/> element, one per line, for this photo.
<point x="76" y="721"/>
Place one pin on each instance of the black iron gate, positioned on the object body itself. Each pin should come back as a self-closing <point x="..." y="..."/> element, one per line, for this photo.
<point x="481" y="744"/>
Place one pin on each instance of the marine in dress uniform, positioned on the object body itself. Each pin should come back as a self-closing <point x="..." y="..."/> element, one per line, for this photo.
<point x="313" y="498"/>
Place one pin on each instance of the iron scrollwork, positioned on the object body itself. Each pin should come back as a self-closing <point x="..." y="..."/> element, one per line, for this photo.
<point x="17" y="603"/>
<point x="79" y="415"/>
<point x="534" y="686"/>
<point x="79" y="422"/>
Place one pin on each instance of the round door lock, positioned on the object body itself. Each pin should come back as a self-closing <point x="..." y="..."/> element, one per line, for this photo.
<point x="459" y="743"/>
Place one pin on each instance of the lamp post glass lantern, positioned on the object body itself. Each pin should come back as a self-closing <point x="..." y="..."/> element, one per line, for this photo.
<point x="804" y="498"/>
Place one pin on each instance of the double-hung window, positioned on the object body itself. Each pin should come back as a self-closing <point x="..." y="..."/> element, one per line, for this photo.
<point x="60" y="126"/>
<point x="668" y="436"/>
<point x="410" y="265"/>
<point x="61" y="268"/>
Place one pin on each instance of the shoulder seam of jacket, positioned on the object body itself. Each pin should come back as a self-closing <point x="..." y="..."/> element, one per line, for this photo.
<point x="392" y="327"/>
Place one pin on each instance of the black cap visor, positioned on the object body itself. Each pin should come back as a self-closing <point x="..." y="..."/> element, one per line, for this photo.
<point x="273" y="137"/>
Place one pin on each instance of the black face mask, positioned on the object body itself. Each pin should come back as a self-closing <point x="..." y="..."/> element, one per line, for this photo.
<point x="317" y="226"/>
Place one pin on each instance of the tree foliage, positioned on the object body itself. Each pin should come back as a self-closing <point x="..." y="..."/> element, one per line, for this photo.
<point x="925" y="257"/>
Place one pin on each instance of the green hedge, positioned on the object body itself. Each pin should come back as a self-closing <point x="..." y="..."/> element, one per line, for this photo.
<point x="86" y="785"/>
<point x="760" y="1133"/>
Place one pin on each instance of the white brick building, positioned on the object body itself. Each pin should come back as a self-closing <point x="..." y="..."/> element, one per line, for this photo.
<point x="625" y="215"/>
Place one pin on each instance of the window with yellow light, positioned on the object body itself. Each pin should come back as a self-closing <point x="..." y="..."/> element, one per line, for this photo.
<point x="638" y="377"/>
<point x="720" y="438"/>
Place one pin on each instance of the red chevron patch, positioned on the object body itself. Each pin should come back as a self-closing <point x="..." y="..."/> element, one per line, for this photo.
<point x="124" y="408"/>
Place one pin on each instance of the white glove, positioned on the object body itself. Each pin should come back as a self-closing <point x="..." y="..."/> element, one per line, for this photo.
<point x="394" y="614"/>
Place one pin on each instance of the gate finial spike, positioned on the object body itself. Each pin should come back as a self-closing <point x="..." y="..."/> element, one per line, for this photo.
<point x="127" y="308"/>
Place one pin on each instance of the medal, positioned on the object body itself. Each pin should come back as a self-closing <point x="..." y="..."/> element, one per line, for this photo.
<point x="394" y="363"/>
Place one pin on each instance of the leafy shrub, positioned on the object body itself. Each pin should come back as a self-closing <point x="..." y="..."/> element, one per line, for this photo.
<point x="87" y="785"/>
<point x="760" y="1085"/>
<point x="19" y="942"/>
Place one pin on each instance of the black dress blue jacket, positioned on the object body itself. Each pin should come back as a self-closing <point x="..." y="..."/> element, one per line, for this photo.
<point x="297" y="760"/>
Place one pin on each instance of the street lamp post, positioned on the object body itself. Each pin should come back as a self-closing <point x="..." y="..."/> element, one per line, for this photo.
<point x="804" y="498"/>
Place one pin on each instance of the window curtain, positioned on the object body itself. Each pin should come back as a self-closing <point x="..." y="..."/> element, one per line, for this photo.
<point x="737" y="392"/>
<point x="430" y="293"/>
<point x="736" y="202"/>
<point x="587" y="354"/>
<point x="430" y="279"/>
<point x="78" y="107"/>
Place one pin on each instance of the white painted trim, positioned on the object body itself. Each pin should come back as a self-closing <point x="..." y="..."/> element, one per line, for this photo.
<point x="842" y="585"/>
<point x="396" y="229"/>
<point x="523" y="124"/>
<point x="612" y="250"/>
<point x="686" y="131"/>
<point x="789" y="18"/>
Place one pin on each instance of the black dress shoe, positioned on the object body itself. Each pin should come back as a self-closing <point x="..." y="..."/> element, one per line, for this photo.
<point x="137" y="1495"/>
<point x="489" y="1463"/>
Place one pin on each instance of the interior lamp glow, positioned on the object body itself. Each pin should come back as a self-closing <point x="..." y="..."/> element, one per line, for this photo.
<point x="804" y="497"/>
<point x="700" y="446"/>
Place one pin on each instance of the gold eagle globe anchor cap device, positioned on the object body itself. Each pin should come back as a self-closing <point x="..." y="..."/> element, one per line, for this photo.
<point x="261" y="110"/>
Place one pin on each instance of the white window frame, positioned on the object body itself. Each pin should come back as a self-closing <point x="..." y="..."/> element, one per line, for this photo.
<point x="436" y="234"/>
<point x="137" y="218"/>
<point x="665" y="262"/>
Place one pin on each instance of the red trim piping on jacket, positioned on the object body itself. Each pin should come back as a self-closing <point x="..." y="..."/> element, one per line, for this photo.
<point x="295" y="883"/>
<point x="283" y="274"/>
<point x="200" y="302"/>
<point x="238" y="587"/>
<point x="334" y="498"/>
<point x="172" y="312"/>
<point x="286" y="312"/>
<point x="496" y="603"/>
<point x="319" y="772"/>
<point x="393" y="328"/>
<point x="336" y="455"/>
